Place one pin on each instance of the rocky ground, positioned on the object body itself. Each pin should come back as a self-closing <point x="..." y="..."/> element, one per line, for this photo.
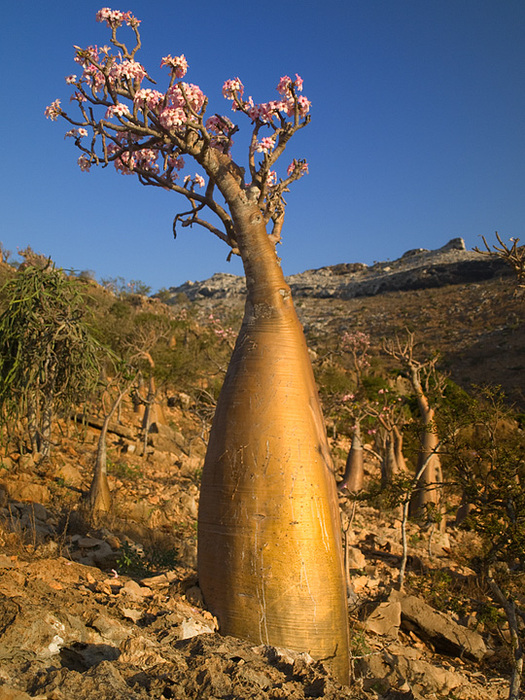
<point x="114" y="612"/>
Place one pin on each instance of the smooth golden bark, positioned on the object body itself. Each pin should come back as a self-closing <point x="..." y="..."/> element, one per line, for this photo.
<point x="270" y="555"/>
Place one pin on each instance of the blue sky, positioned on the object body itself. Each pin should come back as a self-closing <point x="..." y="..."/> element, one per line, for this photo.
<point x="417" y="132"/>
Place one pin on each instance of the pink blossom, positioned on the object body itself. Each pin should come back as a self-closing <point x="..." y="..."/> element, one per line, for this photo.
<point x="186" y="95"/>
<point x="297" y="167"/>
<point x="146" y="159"/>
<point x="148" y="98"/>
<point x="53" y="111"/>
<point x="176" y="162"/>
<point x="132" y="70"/>
<point x="178" y="64"/>
<point x="114" y="18"/>
<point x="84" y="163"/>
<point x="231" y="87"/>
<point x="119" y="109"/>
<point x="78" y="96"/>
<point x="285" y="83"/>
<point x="71" y="79"/>
<point x="298" y="83"/>
<point x="93" y="77"/>
<point x="172" y="117"/>
<point x="76" y="133"/>
<point x="304" y="105"/>
<point x="265" y="111"/>
<point x="348" y="397"/>
<point x="266" y="144"/>
<point x="197" y="180"/>
<point x="271" y="178"/>
<point x="86" y="57"/>
<point x="218" y="124"/>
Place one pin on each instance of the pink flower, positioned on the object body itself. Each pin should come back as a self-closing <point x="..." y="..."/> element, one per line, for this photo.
<point x="176" y="162"/>
<point x="178" y="64"/>
<point x="231" y="87"/>
<point x="271" y="178"/>
<point x="119" y="110"/>
<point x="76" y="133"/>
<point x="172" y="117"/>
<point x="84" y="163"/>
<point x="186" y="95"/>
<point x="285" y="83"/>
<point x="71" y="79"/>
<point x="266" y="144"/>
<point x="304" y="105"/>
<point x="114" y="18"/>
<point x="197" y="180"/>
<point x="218" y="124"/>
<point x="132" y="70"/>
<point x="265" y="111"/>
<point x="298" y="83"/>
<point x="86" y="57"/>
<point x="53" y="111"/>
<point x="297" y="167"/>
<point x="145" y="97"/>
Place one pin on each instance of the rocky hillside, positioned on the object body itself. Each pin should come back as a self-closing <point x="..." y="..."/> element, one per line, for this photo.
<point x="416" y="269"/>
<point x="112" y="610"/>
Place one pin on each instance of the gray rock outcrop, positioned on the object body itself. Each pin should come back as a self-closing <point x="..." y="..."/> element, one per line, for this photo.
<point x="416" y="269"/>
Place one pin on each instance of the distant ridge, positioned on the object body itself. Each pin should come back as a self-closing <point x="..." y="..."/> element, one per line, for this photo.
<point x="416" y="269"/>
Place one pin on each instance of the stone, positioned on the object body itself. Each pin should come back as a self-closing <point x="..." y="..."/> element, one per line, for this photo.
<point x="26" y="491"/>
<point x="445" y="635"/>
<point x="70" y="474"/>
<point x="8" y="693"/>
<point x="385" y="619"/>
<point x="356" y="558"/>
<point x="416" y="269"/>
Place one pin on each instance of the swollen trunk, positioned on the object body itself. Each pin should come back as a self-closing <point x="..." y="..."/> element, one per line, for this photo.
<point x="270" y="555"/>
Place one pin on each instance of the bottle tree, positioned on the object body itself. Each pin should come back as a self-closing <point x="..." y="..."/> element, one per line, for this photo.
<point x="270" y="558"/>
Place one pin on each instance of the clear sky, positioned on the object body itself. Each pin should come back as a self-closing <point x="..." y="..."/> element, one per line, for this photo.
<point x="417" y="132"/>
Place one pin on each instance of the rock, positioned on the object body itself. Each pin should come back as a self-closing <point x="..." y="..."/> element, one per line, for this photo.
<point x="445" y="635"/>
<point x="164" y="438"/>
<point x="416" y="269"/>
<point x="356" y="558"/>
<point x="134" y="591"/>
<point x="191" y="627"/>
<point x="70" y="474"/>
<point x="385" y="619"/>
<point x="26" y="491"/>
<point x="8" y="693"/>
<point x="100" y="681"/>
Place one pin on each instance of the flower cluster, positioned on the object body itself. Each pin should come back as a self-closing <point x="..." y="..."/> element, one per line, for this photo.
<point x="178" y="65"/>
<point x="266" y="144"/>
<point x="298" y="168"/>
<point x="265" y="112"/>
<point x="136" y="118"/>
<point x="53" y="111"/>
<point x="232" y="88"/>
<point x="76" y="133"/>
<point x="84" y="163"/>
<point x="115" y="18"/>
<point x="196" y="179"/>
<point x="119" y="110"/>
<point x="145" y="97"/>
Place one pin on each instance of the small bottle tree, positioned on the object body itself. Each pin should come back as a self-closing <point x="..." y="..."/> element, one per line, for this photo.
<point x="270" y="560"/>
<point x="421" y="374"/>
